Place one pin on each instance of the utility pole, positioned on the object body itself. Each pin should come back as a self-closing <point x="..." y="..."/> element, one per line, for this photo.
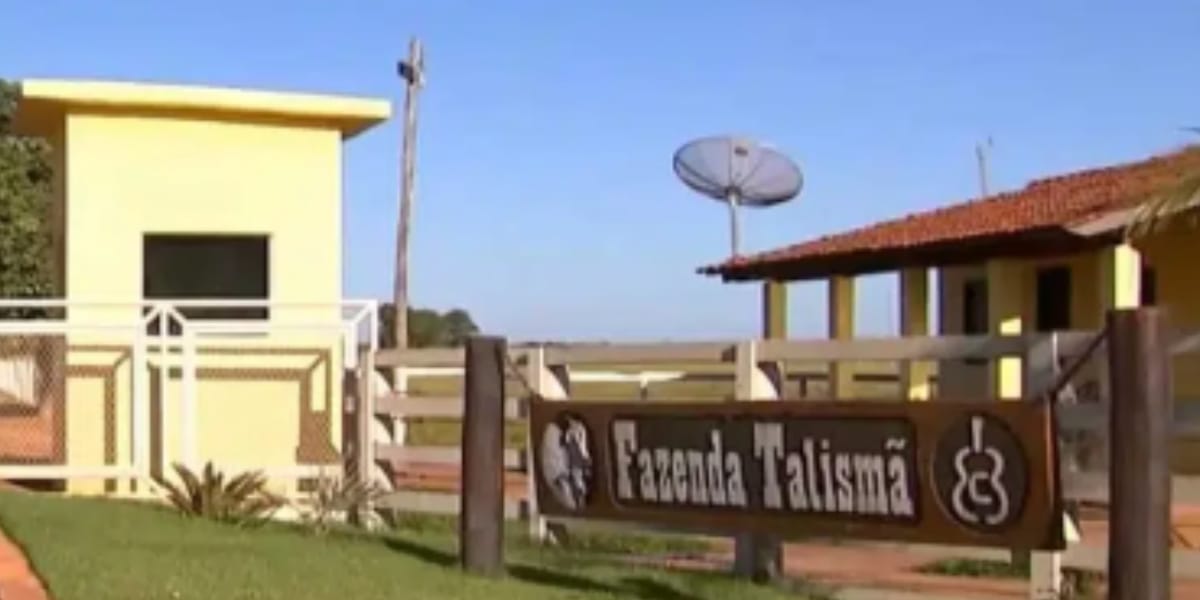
<point x="412" y="71"/>
<point x="981" y="150"/>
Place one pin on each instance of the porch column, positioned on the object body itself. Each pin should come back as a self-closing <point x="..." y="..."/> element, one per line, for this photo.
<point x="914" y="321"/>
<point x="841" y="327"/>
<point x="774" y="310"/>
<point x="1120" y="277"/>
<point x="1005" y="295"/>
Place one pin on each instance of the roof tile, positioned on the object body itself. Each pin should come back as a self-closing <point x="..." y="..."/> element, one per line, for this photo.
<point x="1057" y="201"/>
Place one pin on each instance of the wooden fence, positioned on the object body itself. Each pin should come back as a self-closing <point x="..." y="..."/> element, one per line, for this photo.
<point x="751" y="370"/>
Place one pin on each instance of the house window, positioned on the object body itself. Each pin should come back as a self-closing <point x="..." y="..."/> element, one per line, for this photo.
<point x="1053" y="299"/>
<point x="974" y="305"/>
<point x="1149" y="286"/>
<point x="200" y="267"/>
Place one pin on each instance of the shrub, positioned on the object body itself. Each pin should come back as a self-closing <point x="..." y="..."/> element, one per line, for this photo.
<point x="334" y="498"/>
<point x="241" y="500"/>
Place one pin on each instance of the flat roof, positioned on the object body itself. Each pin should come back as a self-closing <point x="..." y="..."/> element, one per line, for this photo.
<point x="45" y="100"/>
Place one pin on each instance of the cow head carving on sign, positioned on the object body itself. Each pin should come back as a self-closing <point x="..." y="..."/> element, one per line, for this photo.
<point x="567" y="461"/>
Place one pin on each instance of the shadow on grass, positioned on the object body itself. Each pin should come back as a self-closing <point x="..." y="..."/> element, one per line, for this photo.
<point x="649" y="589"/>
<point x="428" y="554"/>
<point x="643" y="588"/>
<point x="558" y="579"/>
<point x="629" y="587"/>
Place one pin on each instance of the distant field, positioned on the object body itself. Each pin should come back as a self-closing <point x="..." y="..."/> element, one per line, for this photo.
<point x="706" y="382"/>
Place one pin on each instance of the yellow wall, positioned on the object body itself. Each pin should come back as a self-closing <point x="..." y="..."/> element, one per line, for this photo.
<point x="131" y="174"/>
<point x="1170" y="254"/>
<point x="58" y="223"/>
<point x="127" y="174"/>
<point x="957" y="378"/>
<point x="1173" y="255"/>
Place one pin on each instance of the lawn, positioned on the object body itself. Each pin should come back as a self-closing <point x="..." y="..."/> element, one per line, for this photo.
<point x="91" y="549"/>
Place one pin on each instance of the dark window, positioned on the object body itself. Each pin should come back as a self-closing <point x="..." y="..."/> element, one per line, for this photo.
<point x="974" y="305"/>
<point x="1053" y="299"/>
<point x="975" y="312"/>
<point x="207" y="267"/>
<point x="1149" y="286"/>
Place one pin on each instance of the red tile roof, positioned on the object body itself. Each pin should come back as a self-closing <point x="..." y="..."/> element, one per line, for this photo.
<point x="1047" y="205"/>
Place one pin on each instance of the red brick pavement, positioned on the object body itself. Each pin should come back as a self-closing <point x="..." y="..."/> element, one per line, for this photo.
<point x="17" y="581"/>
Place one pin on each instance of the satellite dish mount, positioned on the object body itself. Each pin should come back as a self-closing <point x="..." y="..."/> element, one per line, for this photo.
<point x="739" y="172"/>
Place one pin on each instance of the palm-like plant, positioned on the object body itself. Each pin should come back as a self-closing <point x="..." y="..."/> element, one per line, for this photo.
<point x="334" y="498"/>
<point x="241" y="499"/>
<point x="1159" y="210"/>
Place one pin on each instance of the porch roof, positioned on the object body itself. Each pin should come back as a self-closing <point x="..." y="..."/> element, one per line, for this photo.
<point x="1064" y="213"/>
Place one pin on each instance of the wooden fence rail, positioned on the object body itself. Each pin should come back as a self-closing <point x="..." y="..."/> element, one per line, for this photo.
<point x="548" y="368"/>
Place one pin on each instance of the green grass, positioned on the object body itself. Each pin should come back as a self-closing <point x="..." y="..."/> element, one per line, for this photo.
<point x="111" y="550"/>
<point x="583" y="538"/>
<point x="1085" y="583"/>
<point x="969" y="567"/>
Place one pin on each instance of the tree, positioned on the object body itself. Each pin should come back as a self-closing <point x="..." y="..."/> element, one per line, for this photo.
<point x="1162" y="208"/>
<point x="25" y="191"/>
<point x="427" y="328"/>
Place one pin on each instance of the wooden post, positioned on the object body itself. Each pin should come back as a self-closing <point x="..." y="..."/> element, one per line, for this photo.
<point x="757" y="557"/>
<point x="362" y="439"/>
<point x="550" y="384"/>
<point x="1139" y="547"/>
<point x="413" y="73"/>
<point x="841" y="327"/>
<point x="774" y="311"/>
<point x="481" y="526"/>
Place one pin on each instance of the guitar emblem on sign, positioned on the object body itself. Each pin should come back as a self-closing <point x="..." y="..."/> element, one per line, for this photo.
<point x="979" y="496"/>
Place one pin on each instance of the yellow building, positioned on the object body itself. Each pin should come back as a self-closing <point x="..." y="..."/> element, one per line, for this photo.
<point x="1050" y="256"/>
<point x="229" y="200"/>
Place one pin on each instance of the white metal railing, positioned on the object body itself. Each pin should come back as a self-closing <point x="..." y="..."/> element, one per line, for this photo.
<point x="179" y="351"/>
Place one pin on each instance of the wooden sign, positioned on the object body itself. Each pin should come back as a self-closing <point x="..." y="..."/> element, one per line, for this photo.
<point x="972" y="473"/>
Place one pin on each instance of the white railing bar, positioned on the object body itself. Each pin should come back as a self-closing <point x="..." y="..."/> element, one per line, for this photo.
<point x="164" y="373"/>
<point x="62" y="327"/>
<point x="185" y="302"/>
<point x="1094" y="416"/>
<point x="188" y="408"/>
<point x="140" y="436"/>
<point x="65" y="472"/>
<point x="251" y="302"/>
<point x="306" y="471"/>
<point x="1188" y="342"/>
<point x="672" y="352"/>
<point x="207" y="326"/>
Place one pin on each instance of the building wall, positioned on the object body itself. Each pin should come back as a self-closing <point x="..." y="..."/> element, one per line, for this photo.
<point x="58" y="222"/>
<point x="1173" y="256"/>
<point x="1170" y="254"/>
<point x="1178" y="289"/>
<point x="132" y="174"/>
<point x="957" y="378"/>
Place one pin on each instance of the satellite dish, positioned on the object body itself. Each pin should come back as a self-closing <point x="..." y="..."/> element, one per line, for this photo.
<point x="739" y="172"/>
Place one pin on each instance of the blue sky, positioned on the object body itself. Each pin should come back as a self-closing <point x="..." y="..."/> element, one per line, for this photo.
<point x="546" y="202"/>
